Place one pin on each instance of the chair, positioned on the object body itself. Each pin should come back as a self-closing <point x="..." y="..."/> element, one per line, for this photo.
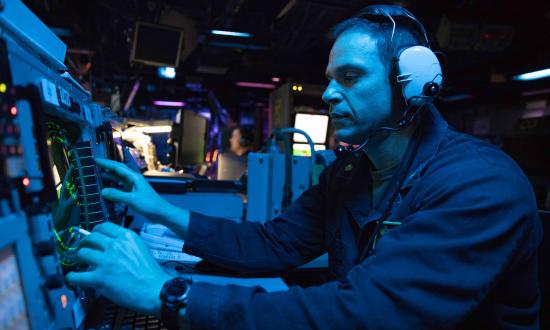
<point x="544" y="270"/>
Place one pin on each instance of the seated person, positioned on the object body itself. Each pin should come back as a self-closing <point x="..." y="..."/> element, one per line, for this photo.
<point x="425" y="227"/>
<point x="232" y="165"/>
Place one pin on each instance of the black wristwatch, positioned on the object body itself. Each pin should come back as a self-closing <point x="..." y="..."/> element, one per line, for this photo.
<point x="174" y="295"/>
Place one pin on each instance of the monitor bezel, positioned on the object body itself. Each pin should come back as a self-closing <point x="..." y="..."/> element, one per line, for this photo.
<point x="154" y="63"/>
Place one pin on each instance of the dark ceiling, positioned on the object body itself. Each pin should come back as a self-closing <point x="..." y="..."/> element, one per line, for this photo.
<point x="487" y="42"/>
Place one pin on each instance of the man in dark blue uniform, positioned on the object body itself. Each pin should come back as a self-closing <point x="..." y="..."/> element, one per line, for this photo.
<point x="425" y="227"/>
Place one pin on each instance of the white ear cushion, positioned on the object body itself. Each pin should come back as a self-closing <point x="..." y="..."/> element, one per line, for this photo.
<point x="417" y="66"/>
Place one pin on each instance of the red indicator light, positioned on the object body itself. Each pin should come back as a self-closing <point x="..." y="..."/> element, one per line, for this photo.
<point x="26" y="182"/>
<point x="13" y="111"/>
<point x="63" y="301"/>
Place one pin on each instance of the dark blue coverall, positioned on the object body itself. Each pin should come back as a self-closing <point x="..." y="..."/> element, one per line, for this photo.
<point x="464" y="255"/>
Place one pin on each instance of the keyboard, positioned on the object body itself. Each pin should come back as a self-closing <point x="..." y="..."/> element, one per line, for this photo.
<point x="118" y="318"/>
<point x="163" y="255"/>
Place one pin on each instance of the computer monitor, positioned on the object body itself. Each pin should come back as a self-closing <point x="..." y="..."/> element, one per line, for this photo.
<point x="156" y="45"/>
<point x="315" y="125"/>
<point x="231" y="166"/>
<point x="13" y="311"/>
<point x="190" y="135"/>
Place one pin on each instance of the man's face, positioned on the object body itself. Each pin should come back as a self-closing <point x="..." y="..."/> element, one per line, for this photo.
<point x="358" y="91"/>
<point x="235" y="140"/>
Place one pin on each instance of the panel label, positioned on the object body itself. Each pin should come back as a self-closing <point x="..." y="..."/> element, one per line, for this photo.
<point x="49" y="92"/>
<point x="65" y="97"/>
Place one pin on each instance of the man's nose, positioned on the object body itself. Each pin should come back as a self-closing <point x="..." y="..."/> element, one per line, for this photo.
<point x="331" y="95"/>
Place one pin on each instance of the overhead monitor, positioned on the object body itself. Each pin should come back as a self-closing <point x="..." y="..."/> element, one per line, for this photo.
<point x="156" y="45"/>
<point x="314" y="125"/>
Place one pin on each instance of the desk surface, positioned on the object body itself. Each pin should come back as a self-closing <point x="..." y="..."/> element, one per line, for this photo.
<point x="270" y="284"/>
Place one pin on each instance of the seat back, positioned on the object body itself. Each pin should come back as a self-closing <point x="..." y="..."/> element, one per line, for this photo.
<point x="544" y="270"/>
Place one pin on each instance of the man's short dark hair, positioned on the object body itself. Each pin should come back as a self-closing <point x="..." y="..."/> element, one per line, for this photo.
<point x="405" y="35"/>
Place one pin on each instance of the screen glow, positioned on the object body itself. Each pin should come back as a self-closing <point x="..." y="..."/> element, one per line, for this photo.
<point x="231" y="33"/>
<point x="167" y="72"/>
<point x="303" y="149"/>
<point x="314" y="125"/>
<point x="533" y="75"/>
<point x="169" y="103"/>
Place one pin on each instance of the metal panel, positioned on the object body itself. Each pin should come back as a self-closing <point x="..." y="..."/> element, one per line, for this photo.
<point x="258" y="187"/>
<point x="31" y="31"/>
<point x="300" y="175"/>
<point x="266" y="178"/>
<point x="213" y="204"/>
<point x="224" y="205"/>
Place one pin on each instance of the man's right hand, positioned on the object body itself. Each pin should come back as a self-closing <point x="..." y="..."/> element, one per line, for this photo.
<point x="142" y="197"/>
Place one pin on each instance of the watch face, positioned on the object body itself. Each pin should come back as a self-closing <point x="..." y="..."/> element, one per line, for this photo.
<point x="176" y="289"/>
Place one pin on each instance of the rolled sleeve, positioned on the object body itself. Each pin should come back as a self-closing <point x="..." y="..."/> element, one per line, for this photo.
<point x="291" y="239"/>
<point x="198" y="233"/>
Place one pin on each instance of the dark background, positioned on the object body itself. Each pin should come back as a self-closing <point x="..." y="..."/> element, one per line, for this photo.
<point x="488" y="42"/>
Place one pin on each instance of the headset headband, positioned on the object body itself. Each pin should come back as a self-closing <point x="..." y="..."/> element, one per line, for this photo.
<point x="383" y="12"/>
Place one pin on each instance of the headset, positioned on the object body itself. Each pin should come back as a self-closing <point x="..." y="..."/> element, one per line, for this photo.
<point x="247" y="137"/>
<point x="415" y="69"/>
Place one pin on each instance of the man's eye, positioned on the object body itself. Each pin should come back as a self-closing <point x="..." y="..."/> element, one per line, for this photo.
<point x="351" y="76"/>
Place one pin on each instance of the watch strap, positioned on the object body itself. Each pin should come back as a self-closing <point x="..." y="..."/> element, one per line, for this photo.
<point x="170" y="307"/>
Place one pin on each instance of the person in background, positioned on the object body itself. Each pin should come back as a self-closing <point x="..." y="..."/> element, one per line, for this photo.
<point x="232" y="165"/>
<point x="241" y="141"/>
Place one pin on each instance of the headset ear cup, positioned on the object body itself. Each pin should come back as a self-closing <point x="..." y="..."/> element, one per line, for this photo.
<point x="247" y="138"/>
<point x="419" y="73"/>
<point x="243" y="142"/>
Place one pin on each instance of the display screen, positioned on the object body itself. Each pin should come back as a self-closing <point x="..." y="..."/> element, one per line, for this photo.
<point x="13" y="312"/>
<point x="301" y="149"/>
<point x="157" y="45"/>
<point x="314" y="125"/>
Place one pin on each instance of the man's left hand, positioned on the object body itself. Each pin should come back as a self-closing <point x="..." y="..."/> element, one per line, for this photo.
<point x="123" y="269"/>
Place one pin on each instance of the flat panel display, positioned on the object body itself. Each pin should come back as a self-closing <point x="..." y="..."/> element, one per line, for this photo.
<point x="156" y="45"/>
<point x="314" y="125"/>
